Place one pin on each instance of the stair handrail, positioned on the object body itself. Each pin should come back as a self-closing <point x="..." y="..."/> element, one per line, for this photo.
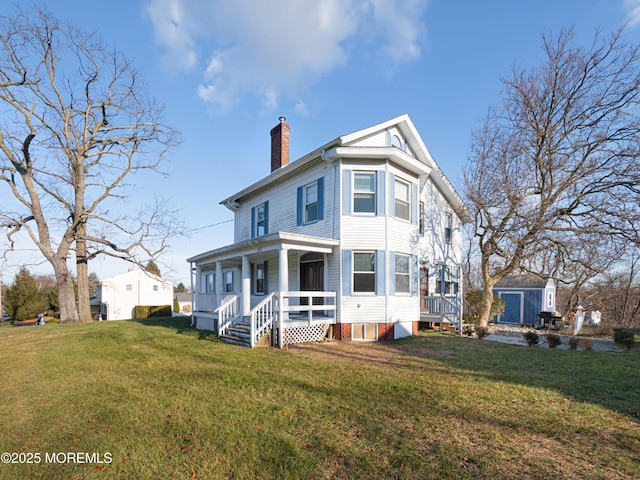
<point x="227" y="311"/>
<point x="261" y="318"/>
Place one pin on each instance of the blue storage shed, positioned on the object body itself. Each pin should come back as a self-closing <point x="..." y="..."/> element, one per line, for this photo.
<point x="525" y="298"/>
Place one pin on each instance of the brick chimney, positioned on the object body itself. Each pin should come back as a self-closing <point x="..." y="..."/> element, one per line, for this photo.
<point x="280" y="145"/>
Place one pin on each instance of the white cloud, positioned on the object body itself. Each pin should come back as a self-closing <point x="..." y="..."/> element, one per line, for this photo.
<point x="280" y="46"/>
<point x="172" y="33"/>
<point x="633" y="12"/>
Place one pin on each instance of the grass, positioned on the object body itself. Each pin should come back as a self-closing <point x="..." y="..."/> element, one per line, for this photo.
<point x="165" y="401"/>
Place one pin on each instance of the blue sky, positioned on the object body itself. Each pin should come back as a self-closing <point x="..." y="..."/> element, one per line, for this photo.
<point x="226" y="70"/>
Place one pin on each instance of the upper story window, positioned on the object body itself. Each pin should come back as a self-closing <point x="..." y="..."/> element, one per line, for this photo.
<point x="448" y="227"/>
<point x="311" y="202"/>
<point x="402" y="194"/>
<point x="364" y="272"/>
<point x="260" y="220"/>
<point x="421" y="219"/>
<point x="155" y="288"/>
<point x="129" y="287"/>
<point x="364" y="192"/>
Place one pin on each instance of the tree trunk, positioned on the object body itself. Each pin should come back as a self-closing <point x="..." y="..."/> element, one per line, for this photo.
<point x="66" y="294"/>
<point x="486" y="304"/>
<point x="82" y="272"/>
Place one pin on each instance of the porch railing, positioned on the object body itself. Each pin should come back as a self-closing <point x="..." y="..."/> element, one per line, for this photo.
<point x="448" y="309"/>
<point x="227" y="311"/>
<point x="262" y="317"/>
<point x="292" y="302"/>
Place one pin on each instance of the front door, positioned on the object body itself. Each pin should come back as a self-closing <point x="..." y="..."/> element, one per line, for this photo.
<point x="311" y="278"/>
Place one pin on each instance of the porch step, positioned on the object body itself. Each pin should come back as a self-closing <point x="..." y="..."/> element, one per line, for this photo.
<point x="235" y="340"/>
<point x="238" y="334"/>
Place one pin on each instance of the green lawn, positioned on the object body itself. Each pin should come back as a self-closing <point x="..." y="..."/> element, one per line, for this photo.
<point x="160" y="400"/>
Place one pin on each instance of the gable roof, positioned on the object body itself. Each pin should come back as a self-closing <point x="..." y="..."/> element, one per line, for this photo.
<point x="422" y="162"/>
<point x="523" y="281"/>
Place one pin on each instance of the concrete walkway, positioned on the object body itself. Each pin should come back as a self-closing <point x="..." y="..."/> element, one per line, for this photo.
<point x="598" y="344"/>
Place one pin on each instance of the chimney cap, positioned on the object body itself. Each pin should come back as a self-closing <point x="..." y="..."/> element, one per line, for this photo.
<point x="282" y="119"/>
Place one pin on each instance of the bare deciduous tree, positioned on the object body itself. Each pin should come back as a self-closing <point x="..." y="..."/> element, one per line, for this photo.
<point x="558" y="159"/>
<point x="77" y="123"/>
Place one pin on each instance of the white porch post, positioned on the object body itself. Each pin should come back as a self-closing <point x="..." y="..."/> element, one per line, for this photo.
<point x="246" y="286"/>
<point x="283" y="286"/>
<point x="219" y="283"/>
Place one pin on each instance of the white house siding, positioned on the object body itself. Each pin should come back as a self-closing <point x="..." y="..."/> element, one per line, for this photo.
<point x="432" y="248"/>
<point x="121" y="300"/>
<point x="282" y="204"/>
<point x="380" y="232"/>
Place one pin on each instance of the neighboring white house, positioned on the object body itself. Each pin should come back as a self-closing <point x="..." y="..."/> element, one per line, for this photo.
<point x="359" y="239"/>
<point x="116" y="297"/>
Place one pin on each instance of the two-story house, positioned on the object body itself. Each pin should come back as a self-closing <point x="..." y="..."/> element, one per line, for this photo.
<point x="359" y="239"/>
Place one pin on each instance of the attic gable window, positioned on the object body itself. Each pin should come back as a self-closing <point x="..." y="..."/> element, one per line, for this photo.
<point x="364" y="192"/>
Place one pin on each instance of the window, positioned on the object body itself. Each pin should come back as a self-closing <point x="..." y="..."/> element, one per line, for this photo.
<point x="403" y="269"/>
<point x="228" y="281"/>
<point x="364" y="192"/>
<point x="129" y="287"/>
<point x="261" y="220"/>
<point x="311" y="203"/>
<point x="364" y="272"/>
<point x="448" y="227"/>
<point x="447" y="280"/>
<point x="259" y="279"/>
<point x="208" y="282"/>
<point x="402" y="200"/>
<point x="155" y="288"/>
<point x="421" y="219"/>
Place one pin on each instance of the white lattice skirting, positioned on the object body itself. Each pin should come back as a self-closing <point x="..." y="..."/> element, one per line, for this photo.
<point x="304" y="334"/>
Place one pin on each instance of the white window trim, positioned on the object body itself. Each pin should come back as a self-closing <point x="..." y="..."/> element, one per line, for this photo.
<point x="408" y="274"/>
<point x="305" y="205"/>
<point x="353" y="192"/>
<point x="353" y="273"/>
<point x="257" y="220"/>
<point x="407" y="201"/>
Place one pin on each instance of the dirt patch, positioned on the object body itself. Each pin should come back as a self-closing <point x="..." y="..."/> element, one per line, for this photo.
<point x="380" y="354"/>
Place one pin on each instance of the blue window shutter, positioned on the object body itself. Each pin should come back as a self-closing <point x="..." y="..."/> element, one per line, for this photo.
<point x="252" y="270"/>
<point x="300" y="207"/>
<point x="415" y="276"/>
<point x="414" y="203"/>
<point x="392" y="272"/>
<point x="347" y="272"/>
<point x="380" y="272"/>
<point x="253" y="222"/>
<point x="266" y="217"/>
<point x="264" y="272"/>
<point x="392" y="195"/>
<point x="321" y="198"/>
<point x="380" y="193"/>
<point x="346" y="192"/>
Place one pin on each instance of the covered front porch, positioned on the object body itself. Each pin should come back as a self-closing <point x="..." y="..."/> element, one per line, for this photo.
<point x="278" y="286"/>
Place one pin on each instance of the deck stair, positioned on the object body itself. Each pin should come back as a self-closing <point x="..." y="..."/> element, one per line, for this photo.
<point x="239" y="333"/>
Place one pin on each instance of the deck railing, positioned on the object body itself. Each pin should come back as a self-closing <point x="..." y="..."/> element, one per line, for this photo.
<point x="262" y="317"/>
<point x="448" y="309"/>
<point x="227" y="311"/>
